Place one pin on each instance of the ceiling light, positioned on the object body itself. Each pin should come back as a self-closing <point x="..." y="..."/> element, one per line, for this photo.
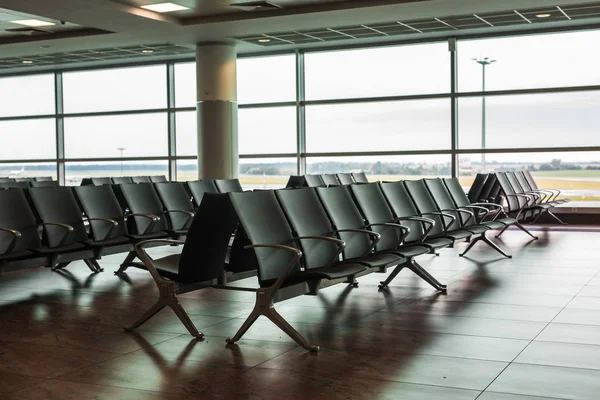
<point x="543" y="15"/>
<point x="27" y="62"/>
<point x="165" y="7"/>
<point x="147" y="51"/>
<point x="33" y="22"/>
<point x="264" y="40"/>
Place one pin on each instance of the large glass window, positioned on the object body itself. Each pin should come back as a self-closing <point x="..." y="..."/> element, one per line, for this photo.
<point x="186" y="131"/>
<point x="28" y="139"/>
<point x="266" y="173"/>
<point x="187" y="170"/>
<point x="266" y="79"/>
<point x="27" y="95"/>
<point x="76" y="171"/>
<point x="376" y="72"/>
<point x="267" y="130"/>
<point x="28" y="170"/>
<point x="531" y="61"/>
<point x="379" y="126"/>
<point x="115" y="89"/>
<point x="116" y="136"/>
<point x="185" y="85"/>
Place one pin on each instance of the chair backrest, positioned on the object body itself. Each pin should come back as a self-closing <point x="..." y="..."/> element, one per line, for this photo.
<point x="101" y="181"/>
<point x="228" y="185"/>
<point x="15" y="185"/>
<point x="264" y="222"/>
<point x="158" y="179"/>
<point x="141" y="198"/>
<point x="205" y="249"/>
<point x="344" y="214"/>
<point x="425" y="204"/>
<point x="402" y="205"/>
<point x="15" y="213"/>
<point x="58" y="205"/>
<point x="474" y="194"/>
<point x="456" y="191"/>
<point x="23" y="179"/>
<point x="495" y="192"/>
<point x="345" y="179"/>
<point x="375" y="209"/>
<point x="514" y="182"/>
<point x="530" y="179"/>
<point x="174" y="196"/>
<point x="140" y="179"/>
<point x="514" y="203"/>
<point x="44" y="184"/>
<point x="360" y="177"/>
<point x="485" y="194"/>
<point x="307" y="217"/>
<point x="198" y="188"/>
<point x="42" y="178"/>
<point x="101" y="202"/>
<point x="520" y="175"/>
<point x="119" y="180"/>
<point x="86" y="181"/>
<point x="444" y="201"/>
<point x="314" y="180"/>
<point x="6" y="180"/>
<point x="330" y="179"/>
<point x="296" y="181"/>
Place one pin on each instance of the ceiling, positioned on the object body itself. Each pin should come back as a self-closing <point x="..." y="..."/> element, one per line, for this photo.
<point x="111" y="26"/>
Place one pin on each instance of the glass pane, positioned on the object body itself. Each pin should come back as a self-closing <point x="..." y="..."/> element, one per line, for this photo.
<point x="76" y="171"/>
<point x="387" y="168"/>
<point x="28" y="170"/>
<point x="28" y="139"/>
<point x="136" y="135"/>
<point x="185" y="85"/>
<point x="533" y="61"/>
<point x="379" y="126"/>
<point x="187" y="170"/>
<point x="267" y="130"/>
<point x="575" y="174"/>
<point x="374" y="72"/>
<point x="186" y="133"/>
<point x="539" y="120"/>
<point x="266" y="173"/>
<point x="29" y="95"/>
<point x="115" y="89"/>
<point x="266" y="79"/>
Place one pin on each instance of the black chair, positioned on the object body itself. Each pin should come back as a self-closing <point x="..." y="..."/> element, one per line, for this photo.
<point x="279" y="259"/>
<point x="178" y="204"/>
<point x="6" y="180"/>
<point x="360" y="177"/>
<point x="64" y="230"/>
<point x="146" y="209"/>
<point x="141" y="179"/>
<point x="540" y="207"/>
<point x="199" y="264"/>
<point x="198" y="188"/>
<point x="380" y="218"/>
<point x="474" y="194"/>
<point x="228" y="185"/>
<point x="554" y="193"/>
<point x="44" y="183"/>
<point x="518" y="205"/>
<point x="158" y="179"/>
<point x="296" y="181"/>
<point x="16" y="185"/>
<point x="42" y="178"/>
<point x="330" y="180"/>
<point x="345" y="179"/>
<point x="101" y="181"/>
<point x="545" y="197"/>
<point x="120" y="180"/>
<point x="86" y="182"/>
<point x="23" y="179"/>
<point x="314" y="180"/>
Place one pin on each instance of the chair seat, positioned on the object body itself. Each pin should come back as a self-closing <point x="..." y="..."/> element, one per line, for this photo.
<point x="477" y="229"/>
<point x="336" y="271"/>
<point x="456" y="234"/>
<point x="110" y="242"/>
<point x="63" y="249"/>
<point x="168" y="267"/>
<point x="154" y="235"/>
<point x="380" y="260"/>
<point x="411" y="251"/>
<point x="507" y="221"/>
<point x="16" y="255"/>
<point x="438" y="243"/>
<point x="494" y="224"/>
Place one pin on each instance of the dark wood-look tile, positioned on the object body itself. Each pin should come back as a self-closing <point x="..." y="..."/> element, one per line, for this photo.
<point x="63" y="390"/>
<point x="578" y="317"/>
<point x="11" y="382"/>
<point x="568" y="333"/>
<point x="269" y="384"/>
<point x="561" y="355"/>
<point x="500" y="296"/>
<point x="46" y="361"/>
<point x="545" y="381"/>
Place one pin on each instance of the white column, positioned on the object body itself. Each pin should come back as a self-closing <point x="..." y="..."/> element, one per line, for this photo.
<point x="216" y="109"/>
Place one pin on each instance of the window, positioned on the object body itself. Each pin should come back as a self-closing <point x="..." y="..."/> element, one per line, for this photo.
<point x="187" y="170"/>
<point x="186" y="128"/>
<point x="76" y="171"/>
<point x="29" y="95"/>
<point x="185" y="85"/>
<point x="266" y="173"/>
<point x="28" y="139"/>
<point x="115" y="89"/>
<point x="377" y="72"/>
<point x="378" y="126"/>
<point x="28" y="170"/>
<point x="532" y="61"/>
<point x="266" y="79"/>
<point x="116" y="136"/>
<point x="269" y="130"/>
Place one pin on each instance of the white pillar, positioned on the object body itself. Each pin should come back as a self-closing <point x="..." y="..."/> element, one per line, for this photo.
<point x="216" y="109"/>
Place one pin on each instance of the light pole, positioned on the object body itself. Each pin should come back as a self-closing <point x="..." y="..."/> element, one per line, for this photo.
<point x="484" y="62"/>
<point x="121" y="149"/>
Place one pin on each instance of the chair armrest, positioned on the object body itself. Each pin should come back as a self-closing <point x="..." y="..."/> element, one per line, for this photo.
<point x="67" y="234"/>
<point x="405" y="229"/>
<point x="109" y="221"/>
<point x="430" y="224"/>
<point x="153" y="220"/>
<point x="297" y="255"/>
<point x="16" y="235"/>
<point x="462" y="210"/>
<point x="340" y="243"/>
<point x="140" y="249"/>
<point x="190" y="215"/>
<point x="452" y="217"/>
<point x="375" y="237"/>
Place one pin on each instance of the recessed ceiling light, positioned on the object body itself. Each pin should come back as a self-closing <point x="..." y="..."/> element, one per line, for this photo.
<point x="33" y="22"/>
<point x="165" y="7"/>
<point x="264" y="40"/>
<point x="147" y="51"/>
<point x="543" y="15"/>
<point x="27" y="62"/>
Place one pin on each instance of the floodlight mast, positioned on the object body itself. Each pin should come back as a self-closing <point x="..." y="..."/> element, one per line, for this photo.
<point x="484" y="62"/>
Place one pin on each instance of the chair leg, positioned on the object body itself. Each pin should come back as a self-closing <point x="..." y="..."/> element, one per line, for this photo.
<point x="521" y="227"/>
<point x="264" y="306"/>
<point x="97" y="265"/>
<point x="159" y="305"/>
<point x="130" y="257"/>
<point x="426" y="276"/>
<point x="60" y="266"/>
<point x="90" y="265"/>
<point x="502" y="231"/>
<point x="556" y="218"/>
<point x="392" y="275"/>
<point x="495" y="247"/>
<point x="470" y="246"/>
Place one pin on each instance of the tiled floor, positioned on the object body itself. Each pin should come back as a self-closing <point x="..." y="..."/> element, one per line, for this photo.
<point x="521" y="329"/>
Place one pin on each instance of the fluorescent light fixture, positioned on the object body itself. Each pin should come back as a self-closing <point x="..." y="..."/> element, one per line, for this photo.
<point x="264" y="40"/>
<point x="147" y="51"/>
<point x="27" y="62"/>
<point x="33" y="23"/>
<point x="165" y="7"/>
<point x="543" y="15"/>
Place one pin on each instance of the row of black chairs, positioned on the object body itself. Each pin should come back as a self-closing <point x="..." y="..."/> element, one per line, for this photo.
<point x="117" y="180"/>
<point x="27" y="184"/>
<point x="307" y="238"/>
<point x="25" y="179"/>
<point x="320" y="180"/>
